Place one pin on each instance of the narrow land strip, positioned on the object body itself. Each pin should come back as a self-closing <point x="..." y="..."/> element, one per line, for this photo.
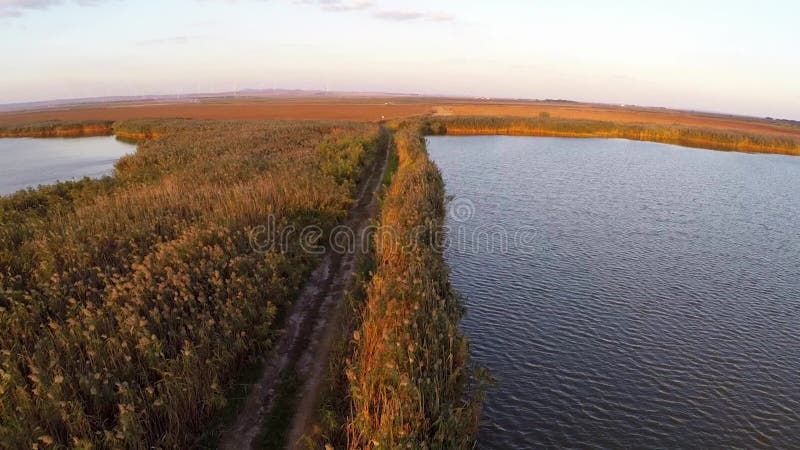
<point x="306" y="339"/>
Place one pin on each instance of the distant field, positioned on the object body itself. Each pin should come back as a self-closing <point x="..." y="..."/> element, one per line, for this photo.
<point x="374" y="109"/>
<point x="366" y="110"/>
<point x="619" y="115"/>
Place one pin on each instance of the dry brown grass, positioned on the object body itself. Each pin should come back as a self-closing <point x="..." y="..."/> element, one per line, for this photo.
<point x="366" y="110"/>
<point x="129" y="305"/>
<point x="580" y="111"/>
<point x="58" y="129"/>
<point x="372" y="109"/>
<point x="408" y="376"/>
<point x="707" y="138"/>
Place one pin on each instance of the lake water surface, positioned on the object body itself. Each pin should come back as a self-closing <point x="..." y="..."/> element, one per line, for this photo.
<point x="658" y="305"/>
<point x="29" y="162"/>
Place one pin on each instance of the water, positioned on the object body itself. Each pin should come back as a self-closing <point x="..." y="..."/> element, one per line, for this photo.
<point x="29" y="162"/>
<point x="658" y="305"/>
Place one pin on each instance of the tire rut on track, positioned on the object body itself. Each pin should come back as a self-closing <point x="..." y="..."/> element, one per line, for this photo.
<point x="310" y="327"/>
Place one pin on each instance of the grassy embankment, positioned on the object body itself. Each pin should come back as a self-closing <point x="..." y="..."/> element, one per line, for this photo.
<point x="58" y="129"/>
<point x="129" y="305"/>
<point x="730" y="140"/>
<point x="408" y="377"/>
<point x="404" y="367"/>
<point x="133" y="131"/>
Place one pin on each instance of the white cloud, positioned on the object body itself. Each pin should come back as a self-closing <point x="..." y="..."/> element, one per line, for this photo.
<point x="15" y="8"/>
<point x="343" y="6"/>
<point x="168" y="40"/>
<point x="399" y="14"/>
<point x="405" y="15"/>
<point x="441" y="17"/>
<point x="337" y="5"/>
<point x="385" y="14"/>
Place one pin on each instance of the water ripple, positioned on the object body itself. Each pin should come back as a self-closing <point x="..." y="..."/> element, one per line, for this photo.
<point x="662" y="303"/>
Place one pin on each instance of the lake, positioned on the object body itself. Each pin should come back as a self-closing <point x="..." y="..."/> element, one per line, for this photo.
<point x="29" y="162"/>
<point x="654" y="303"/>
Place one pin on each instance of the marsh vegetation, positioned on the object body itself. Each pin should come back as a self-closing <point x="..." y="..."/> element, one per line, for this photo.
<point x="710" y="138"/>
<point x="409" y="374"/>
<point x="130" y="304"/>
<point x="58" y="128"/>
<point x="403" y="371"/>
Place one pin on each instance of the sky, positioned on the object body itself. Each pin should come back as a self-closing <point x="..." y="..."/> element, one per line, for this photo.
<point x="731" y="56"/>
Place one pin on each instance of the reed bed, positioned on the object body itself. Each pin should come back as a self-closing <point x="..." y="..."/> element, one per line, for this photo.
<point x="58" y="129"/>
<point x="731" y="140"/>
<point x="128" y="305"/>
<point x="408" y="377"/>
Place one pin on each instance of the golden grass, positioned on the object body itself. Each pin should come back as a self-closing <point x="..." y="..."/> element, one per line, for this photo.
<point x="686" y="136"/>
<point x="630" y="115"/>
<point x="392" y="108"/>
<point x="408" y="376"/>
<point x="128" y="305"/>
<point x="57" y="129"/>
<point x="366" y="110"/>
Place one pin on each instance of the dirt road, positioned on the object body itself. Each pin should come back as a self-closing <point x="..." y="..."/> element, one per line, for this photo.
<point x="310" y="327"/>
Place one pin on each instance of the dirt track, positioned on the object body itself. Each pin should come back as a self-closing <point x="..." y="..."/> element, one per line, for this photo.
<point x="310" y="327"/>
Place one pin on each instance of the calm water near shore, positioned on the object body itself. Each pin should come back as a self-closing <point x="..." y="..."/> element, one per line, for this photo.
<point x="658" y="305"/>
<point x="29" y="162"/>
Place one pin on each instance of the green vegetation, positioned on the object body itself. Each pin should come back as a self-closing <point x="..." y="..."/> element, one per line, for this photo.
<point x="129" y="305"/>
<point x="235" y="396"/>
<point x="391" y="169"/>
<point x="330" y="427"/>
<point x="685" y="136"/>
<point x="276" y="426"/>
<point x="408" y="376"/>
<point x="58" y="129"/>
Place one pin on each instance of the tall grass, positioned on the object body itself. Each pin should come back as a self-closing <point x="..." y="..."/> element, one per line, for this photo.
<point x="733" y="140"/>
<point x="408" y="376"/>
<point x="128" y="305"/>
<point x="58" y="129"/>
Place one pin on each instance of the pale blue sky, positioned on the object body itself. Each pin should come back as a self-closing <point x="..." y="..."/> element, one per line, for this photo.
<point x="731" y="56"/>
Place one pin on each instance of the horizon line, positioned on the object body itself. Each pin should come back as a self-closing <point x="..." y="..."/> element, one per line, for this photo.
<point x="65" y="103"/>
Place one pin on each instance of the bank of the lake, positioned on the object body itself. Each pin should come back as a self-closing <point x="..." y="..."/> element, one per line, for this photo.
<point x="767" y="141"/>
<point x="409" y="374"/>
<point x="656" y="304"/>
<point x="57" y="128"/>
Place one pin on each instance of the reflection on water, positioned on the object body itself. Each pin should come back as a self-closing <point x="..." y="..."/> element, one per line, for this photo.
<point x="661" y="306"/>
<point x="29" y="162"/>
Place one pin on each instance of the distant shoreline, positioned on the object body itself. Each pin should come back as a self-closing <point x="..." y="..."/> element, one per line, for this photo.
<point x="464" y="116"/>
